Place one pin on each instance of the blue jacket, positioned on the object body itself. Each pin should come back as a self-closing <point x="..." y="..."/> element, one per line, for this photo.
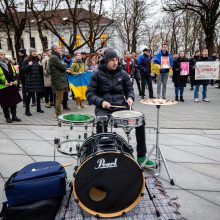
<point x="144" y="64"/>
<point x="157" y="59"/>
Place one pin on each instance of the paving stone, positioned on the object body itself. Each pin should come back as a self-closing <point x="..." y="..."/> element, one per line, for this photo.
<point x="12" y="163"/>
<point x="186" y="178"/>
<point x="208" y="195"/>
<point x="193" y="207"/>
<point x="9" y="147"/>
<point x="2" y="135"/>
<point x="206" y="152"/>
<point x="20" y="134"/>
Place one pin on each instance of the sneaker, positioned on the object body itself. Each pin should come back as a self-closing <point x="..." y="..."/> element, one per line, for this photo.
<point x="47" y="105"/>
<point x="148" y="164"/>
<point x="33" y="104"/>
<point x="15" y="118"/>
<point x="83" y="106"/>
<point x="206" y="100"/>
<point x="196" y="100"/>
<point x="8" y="120"/>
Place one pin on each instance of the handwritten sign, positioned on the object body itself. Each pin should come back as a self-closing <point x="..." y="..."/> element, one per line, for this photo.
<point x="207" y="70"/>
<point x="184" y="68"/>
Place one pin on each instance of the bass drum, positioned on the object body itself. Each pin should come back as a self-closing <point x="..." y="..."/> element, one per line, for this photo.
<point x="108" y="182"/>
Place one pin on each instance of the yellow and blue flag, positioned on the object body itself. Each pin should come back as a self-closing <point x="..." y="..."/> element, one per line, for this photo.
<point x="79" y="83"/>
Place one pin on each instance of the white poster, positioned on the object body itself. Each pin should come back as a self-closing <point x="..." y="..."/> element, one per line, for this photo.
<point x="207" y="70"/>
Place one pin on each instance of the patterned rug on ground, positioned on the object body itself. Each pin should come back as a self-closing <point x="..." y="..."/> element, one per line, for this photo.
<point x="144" y="210"/>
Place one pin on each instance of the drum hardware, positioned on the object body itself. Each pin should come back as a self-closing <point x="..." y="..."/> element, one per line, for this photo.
<point x="152" y="199"/>
<point x="159" y="157"/>
<point x="102" y="120"/>
<point x="56" y="144"/>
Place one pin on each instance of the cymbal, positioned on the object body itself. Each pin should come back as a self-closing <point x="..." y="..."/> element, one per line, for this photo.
<point x="158" y="101"/>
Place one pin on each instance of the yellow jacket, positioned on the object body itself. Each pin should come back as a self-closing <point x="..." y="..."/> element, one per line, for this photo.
<point x="77" y="68"/>
<point x="155" y="69"/>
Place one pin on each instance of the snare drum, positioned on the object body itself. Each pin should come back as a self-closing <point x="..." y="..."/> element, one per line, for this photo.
<point x="108" y="182"/>
<point x="75" y="119"/>
<point x="127" y="118"/>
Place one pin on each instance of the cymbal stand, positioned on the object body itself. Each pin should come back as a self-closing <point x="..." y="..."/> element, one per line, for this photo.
<point x="159" y="157"/>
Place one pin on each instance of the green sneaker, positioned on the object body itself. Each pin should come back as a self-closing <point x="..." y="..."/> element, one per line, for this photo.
<point x="148" y="164"/>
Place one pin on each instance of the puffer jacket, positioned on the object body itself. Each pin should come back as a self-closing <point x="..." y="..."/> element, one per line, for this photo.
<point x="34" y="80"/>
<point x="111" y="86"/>
<point x="58" y="72"/>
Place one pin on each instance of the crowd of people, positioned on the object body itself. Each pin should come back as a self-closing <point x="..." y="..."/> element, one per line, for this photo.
<point x="44" y="76"/>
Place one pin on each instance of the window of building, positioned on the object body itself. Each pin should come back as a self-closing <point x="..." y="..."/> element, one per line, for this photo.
<point x="78" y="40"/>
<point x="9" y="41"/>
<point x="45" y="42"/>
<point x="32" y="42"/>
<point x="104" y="38"/>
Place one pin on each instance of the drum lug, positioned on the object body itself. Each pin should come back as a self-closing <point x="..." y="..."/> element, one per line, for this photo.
<point x="71" y="127"/>
<point x="77" y="147"/>
<point x="74" y="174"/>
<point x="142" y="194"/>
<point x="59" y="124"/>
<point x="56" y="141"/>
<point x="85" y="135"/>
<point x="75" y="168"/>
<point x="76" y="200"/>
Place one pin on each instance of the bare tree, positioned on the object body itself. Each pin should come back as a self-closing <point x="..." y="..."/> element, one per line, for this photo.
<point x="13" y="20"/>
<point x="132" y="14"/>
<point x="208" y="12"/>
<point x="97" y="23"/>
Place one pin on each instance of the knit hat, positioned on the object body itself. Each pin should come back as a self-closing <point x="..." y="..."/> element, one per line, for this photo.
<point x="145" y="49"/>
<point x="109" y="54"/>
<point x="23" y="51"/>
<point x="32" y="50"/>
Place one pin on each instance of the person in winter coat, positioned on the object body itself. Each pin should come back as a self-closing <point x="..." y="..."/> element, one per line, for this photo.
<point x="48" y="93"/>
<point x="34" y="80"/>
<point x="144" y="65"/>
<point x="58" y="76"/>
<point x="78" y="67"/>
<point x="192" y="64"/>
<point x="9" y="95"/>
<point x="161" y="58"/>
<point x="110" y="86"/>
<point x="204" y="58"/>
<point x="178" y="79"/>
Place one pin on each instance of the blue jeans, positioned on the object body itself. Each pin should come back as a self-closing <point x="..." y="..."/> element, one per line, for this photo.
<point x="177" y="89"/>
<point x="204" y="92"/>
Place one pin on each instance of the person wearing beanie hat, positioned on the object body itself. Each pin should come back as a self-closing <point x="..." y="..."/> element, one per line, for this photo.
<point x="32" y="50"/>
<point x="22" y="51"/>
<point x="110" y="87"/>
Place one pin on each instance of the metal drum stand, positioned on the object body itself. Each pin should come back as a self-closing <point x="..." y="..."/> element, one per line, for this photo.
<point x="159" y="157"/>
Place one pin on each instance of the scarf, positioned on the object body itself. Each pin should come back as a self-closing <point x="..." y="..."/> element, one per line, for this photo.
<point x="128" y="62"/>
<point x="4" y="65"/>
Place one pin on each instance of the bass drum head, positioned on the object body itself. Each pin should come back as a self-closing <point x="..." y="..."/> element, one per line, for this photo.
<point x="108" y="184"/>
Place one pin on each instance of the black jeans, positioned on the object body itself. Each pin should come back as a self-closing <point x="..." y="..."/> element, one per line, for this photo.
<point x="7" y="112"/>
<point x="139" y="133"/>
<point x="147" y="79"/>
<point x="29" y="96"/>
<point x="48" y="94"/>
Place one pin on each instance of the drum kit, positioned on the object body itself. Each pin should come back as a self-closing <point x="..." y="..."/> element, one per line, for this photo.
<point x="108" y="182"/>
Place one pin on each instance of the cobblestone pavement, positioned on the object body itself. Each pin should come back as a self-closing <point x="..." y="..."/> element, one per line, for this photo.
<point x="189" y="138"/>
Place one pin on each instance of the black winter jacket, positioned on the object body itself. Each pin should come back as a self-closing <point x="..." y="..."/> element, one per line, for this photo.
<point x="179" y="80"/>
<point x="111" y="86"/>
<point x="34" y="80"/>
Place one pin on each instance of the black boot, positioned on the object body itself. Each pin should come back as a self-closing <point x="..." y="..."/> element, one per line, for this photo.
<point x="40" y="110"/>
<point x="177" y="99"/>
<point x="181" y="99"/>
<point x="8" y="120"/>
<point x="15" y="118"/>
<point x="27" y="111"/>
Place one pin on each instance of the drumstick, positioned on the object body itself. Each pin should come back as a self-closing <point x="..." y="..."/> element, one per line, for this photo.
<point x="118" y="106"/>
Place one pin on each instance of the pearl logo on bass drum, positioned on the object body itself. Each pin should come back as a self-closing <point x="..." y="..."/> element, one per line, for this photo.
<point x="103" y="165"/>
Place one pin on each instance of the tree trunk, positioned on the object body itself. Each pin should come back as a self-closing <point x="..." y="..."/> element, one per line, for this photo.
<point x="40" y="32"/>
<point x="17" y="42"/>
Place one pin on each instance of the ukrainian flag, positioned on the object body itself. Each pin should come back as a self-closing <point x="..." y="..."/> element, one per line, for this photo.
<point x="79" y="83"/>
